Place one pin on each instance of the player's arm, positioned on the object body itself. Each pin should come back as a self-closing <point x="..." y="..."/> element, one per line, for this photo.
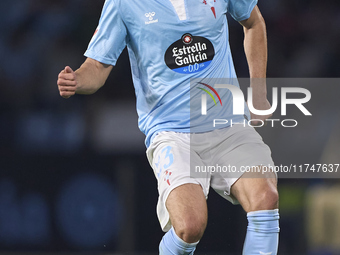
<point x="255" y="46"/>
<point x="255" y="43"/>
<point x="86" y="80"/>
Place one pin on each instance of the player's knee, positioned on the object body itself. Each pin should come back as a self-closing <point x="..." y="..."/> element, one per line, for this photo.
<point x="191" y="230"/>
<point x="267" y="199"/>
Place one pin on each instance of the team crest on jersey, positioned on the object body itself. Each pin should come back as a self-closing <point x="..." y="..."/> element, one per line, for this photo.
<point x="211" y="4"/>
<point x="190" y="54"/>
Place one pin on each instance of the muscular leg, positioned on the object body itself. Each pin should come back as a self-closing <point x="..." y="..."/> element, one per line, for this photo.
<point x="259" y="198"/>
<point x="256" y="191"/>
<point x="188" y="212"/>
<point x="187" y="208"/>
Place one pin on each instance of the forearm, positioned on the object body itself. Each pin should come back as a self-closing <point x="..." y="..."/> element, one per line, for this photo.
<point x="91" y="76"/>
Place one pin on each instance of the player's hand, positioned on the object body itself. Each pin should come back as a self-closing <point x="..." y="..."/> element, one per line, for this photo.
<point x="67" y="82"/>
<point x="260" y="103"/>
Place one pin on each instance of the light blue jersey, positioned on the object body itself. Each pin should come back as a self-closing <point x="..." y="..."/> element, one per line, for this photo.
<point x="170" y="42"/>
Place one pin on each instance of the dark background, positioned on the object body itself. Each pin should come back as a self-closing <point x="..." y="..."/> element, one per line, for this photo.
<point x="73" y="173"/>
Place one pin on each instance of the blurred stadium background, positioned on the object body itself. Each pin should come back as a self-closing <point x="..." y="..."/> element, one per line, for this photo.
<point x="74" y="177"/>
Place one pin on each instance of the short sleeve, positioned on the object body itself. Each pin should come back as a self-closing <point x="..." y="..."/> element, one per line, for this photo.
<point x="241" y="9"/>
<point x="109" y="39"/>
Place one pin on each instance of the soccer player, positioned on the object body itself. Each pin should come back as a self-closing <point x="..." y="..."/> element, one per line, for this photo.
<point x="170" y="43"/>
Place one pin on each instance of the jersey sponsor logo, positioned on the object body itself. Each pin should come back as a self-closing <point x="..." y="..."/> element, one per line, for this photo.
<point x="190" y="54"/>
<point x="150" y="17"/>
<point x="265" y="253"/>
<point x="211" y="4"/>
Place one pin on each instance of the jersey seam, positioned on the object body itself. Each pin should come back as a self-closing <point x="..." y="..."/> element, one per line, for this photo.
<point x="123" y="20"/>
<point x="186" y="10"/>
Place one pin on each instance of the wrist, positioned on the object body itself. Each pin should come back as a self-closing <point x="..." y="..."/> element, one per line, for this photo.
<point x="259" y="87"/>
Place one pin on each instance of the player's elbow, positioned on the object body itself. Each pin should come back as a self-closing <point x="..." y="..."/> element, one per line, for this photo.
<point x="259" y="25"/>
<point x="255" y="21"/>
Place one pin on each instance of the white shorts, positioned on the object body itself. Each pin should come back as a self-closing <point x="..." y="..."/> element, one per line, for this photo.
<point x="204" y="158"/>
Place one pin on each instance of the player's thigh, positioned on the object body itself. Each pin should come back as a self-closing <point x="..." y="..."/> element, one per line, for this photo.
<point x="241" y="150"/>
<point x="180" y="194"/>
<point x="188" y="212"/>
<point x="256" y="191"/>
<point x="187" y="203"/>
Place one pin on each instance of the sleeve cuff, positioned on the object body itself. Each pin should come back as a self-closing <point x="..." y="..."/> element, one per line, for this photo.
<point x="247" y="14"/>
<point x="104" y="60"/>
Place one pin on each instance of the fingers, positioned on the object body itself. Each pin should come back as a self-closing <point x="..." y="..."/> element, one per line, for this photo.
<point x="68" y="69"/>
<point x="256" y="120"/>
<point x="67" y="82"/>
<point x="66" y="94"/>
<point x="260" y="117"/>
<point x="67" y="76"/>
<point x="64" y="82"/>
<point x="260" y="104"/>
<point x="67" y="91"/>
